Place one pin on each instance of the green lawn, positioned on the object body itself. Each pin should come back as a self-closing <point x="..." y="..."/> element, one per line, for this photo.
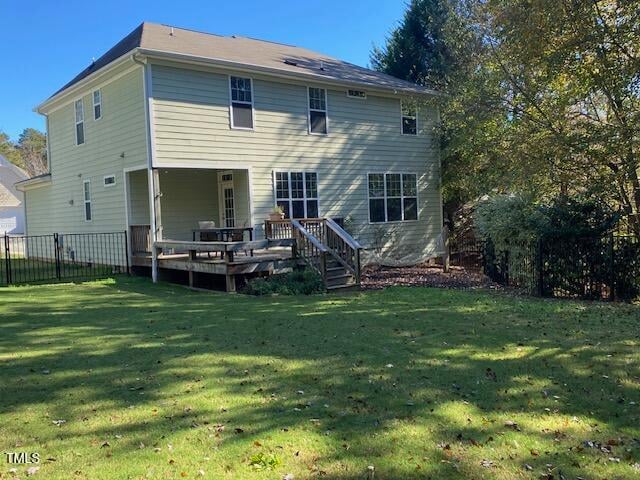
<point x="125" y="379"/>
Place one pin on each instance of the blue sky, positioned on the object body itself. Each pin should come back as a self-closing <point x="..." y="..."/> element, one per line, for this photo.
<point x="46" y="42"/>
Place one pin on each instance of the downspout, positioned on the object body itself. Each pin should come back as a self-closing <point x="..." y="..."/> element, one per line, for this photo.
<point x="146" y="87"/>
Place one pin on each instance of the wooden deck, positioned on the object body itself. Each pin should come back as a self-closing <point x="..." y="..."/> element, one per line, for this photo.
<point x="221" y="258"/>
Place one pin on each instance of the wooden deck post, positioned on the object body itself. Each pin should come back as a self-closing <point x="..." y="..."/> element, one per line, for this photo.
<point x="192" y="258"/>
<point x="156" y="218"/>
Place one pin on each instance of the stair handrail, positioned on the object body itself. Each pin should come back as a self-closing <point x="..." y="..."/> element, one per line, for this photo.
<point x="302" y="235"/>
<point x="349" y="259"/>
<point x="341" y="232"/>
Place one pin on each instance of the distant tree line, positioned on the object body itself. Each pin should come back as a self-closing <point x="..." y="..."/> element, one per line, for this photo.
<point x="28" y="153"/>
<point x="541" y="99"/>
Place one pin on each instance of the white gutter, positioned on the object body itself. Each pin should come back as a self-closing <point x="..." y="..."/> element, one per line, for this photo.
<point x="277" y="72"/>
<point x="227" y="64"/>
<point x="34" y="182"/>
<point x="70" y="91"/>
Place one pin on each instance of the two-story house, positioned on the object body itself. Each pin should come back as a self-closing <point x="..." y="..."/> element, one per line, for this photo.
<point x="172" y="127"/>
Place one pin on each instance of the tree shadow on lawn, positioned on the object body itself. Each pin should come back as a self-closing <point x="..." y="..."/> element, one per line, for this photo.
<point x="418" y="383"/>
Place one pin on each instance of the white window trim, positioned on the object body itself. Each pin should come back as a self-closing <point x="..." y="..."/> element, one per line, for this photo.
<point x="93" y="99"/>
<point x="304" y="189"/>
<point x="253" y="110"/>
<point x="85" y="201"/>
<point x="221" y="187"/>
<point x="385" y="197"/>
<point x="107" y="185"/>
<point x="76" y="122"/>
<point x="401" y="125"/>
<point x="309" y="110"/>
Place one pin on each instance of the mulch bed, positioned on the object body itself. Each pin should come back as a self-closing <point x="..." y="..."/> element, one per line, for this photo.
<point x="377" y="277"/>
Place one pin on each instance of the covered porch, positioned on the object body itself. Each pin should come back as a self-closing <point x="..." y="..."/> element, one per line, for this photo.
<point x="203" y="226"/>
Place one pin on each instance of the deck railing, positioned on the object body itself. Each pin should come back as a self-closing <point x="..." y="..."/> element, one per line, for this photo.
<point x="140" y="239"/>
<point x="281" y="229"/>
<point x="309" y="248"/>
<point x="343" y="247"/>
<point x="319" y="239"/>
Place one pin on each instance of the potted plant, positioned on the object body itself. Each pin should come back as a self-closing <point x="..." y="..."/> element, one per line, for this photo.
<point x="276" y="214"/>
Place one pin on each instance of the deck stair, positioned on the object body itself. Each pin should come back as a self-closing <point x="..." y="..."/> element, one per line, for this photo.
<point x="324" y="246"/>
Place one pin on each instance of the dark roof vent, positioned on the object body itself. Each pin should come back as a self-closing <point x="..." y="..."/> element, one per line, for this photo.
<point x="321" y="65"/>
<point x="290" y="62"/>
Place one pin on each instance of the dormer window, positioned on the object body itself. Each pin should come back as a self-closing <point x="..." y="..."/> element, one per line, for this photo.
<point x="317" y="111"/>
<point x="241" y="102"/>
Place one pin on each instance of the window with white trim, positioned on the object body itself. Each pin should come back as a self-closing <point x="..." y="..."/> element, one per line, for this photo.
<point x="297" y="194"/>
<point x="86" y="188"/>
<point x="317" y="111"/>
<point x="109" y="180"/>
<point x="393" y="197"/>
<point x="79" y="111"/>
<point x="409" y="117"/>
<point x="241" y="102"/>
<point x="97" y="104"/>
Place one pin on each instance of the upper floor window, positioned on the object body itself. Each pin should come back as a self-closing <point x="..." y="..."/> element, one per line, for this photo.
<point x="241" y="102"/>
<point x="97" y="104"/>
<point x="297" y="194"/>
<point x="317" y="111"/>
<point x="86" y="187"/>
<point x="393" y="197"/>
<point x="409" y="117"/>
<point x="79" y="110"/>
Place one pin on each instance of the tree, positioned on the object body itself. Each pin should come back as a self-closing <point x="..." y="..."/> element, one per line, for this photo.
<point x="32" y="146"/>
<point x="9" y="150"/>
<point x="420" y="49"/>
<point x="543" y="99"/>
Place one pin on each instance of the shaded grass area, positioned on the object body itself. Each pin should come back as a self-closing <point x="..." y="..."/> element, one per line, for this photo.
<point x="126" y="379"/>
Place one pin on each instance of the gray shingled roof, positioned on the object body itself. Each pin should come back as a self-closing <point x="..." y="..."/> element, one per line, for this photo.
<point x="9" y="175"/>
<point x="152" y="37"/>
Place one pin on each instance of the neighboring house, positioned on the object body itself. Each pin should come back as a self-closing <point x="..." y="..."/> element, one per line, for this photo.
<point x="224" y="129"/>
<point x="11" y="199"/>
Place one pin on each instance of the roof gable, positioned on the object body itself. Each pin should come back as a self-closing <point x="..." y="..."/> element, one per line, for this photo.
<point x="9" y="175"/>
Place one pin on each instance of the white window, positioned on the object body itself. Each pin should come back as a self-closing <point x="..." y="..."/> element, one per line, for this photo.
<point x="409" y="117"/>
<point x="357" y="94"/>
<point x="241" y="102"/>
<point x="97" y="104"/>
<point x="318" y="111"/>
<point x="86" y="187"/>
<point x="297" y="194"/>
<point x="79" y="110"/>
<point x="109" y="180"/>
<point x="393" y="197"/>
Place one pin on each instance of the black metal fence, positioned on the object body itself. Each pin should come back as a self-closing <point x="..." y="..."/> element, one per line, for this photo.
<point x="62" y="257"/>
<point x="603" y="268"/>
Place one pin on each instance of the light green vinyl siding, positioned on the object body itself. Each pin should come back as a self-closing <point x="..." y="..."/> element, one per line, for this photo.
<point x="139" y="198"/>
<point x="112" y="143"/>
<point x="188" y="196"/>
<point x="191" y="123"/>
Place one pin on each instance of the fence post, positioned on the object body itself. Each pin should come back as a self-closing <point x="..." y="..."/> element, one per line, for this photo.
<point x="126" y="251"/>
<point x="447" y="253"/>
<point x="56" y="249"/>
<point x="612" y="268"/>
<point x="539" y="267"/>
<point x="7" y="259"/>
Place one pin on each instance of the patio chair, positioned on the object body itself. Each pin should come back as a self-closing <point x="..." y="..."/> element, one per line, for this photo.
<point x="208" y="236"/>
